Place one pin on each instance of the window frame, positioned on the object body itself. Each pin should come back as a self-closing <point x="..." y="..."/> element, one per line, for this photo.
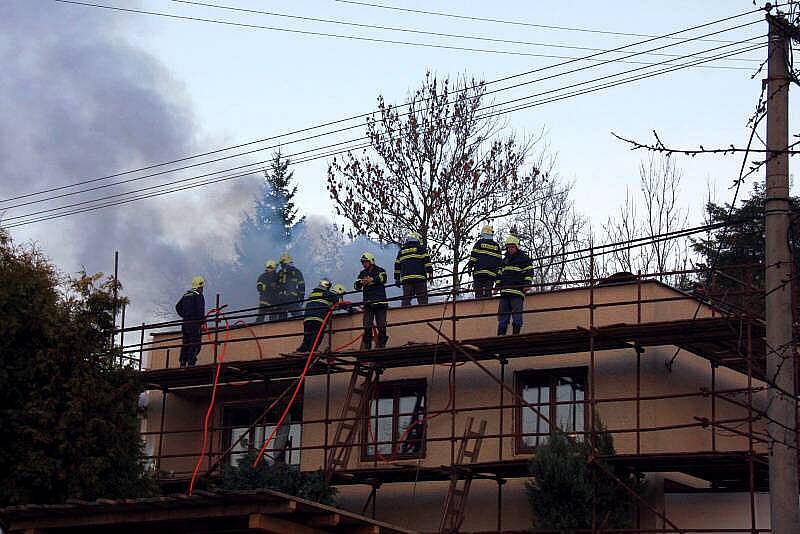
<point x="256" y="407"/>
<point x="523" y="377"/>
<point x="397" y="387"/>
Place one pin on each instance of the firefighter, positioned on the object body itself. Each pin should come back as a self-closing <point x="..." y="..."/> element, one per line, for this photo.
<point x="484" y="262"/>
<point x="268" y="294"/>
<point x="292" y="286"/>
<point x="413" y="269"/>
<point x="319" y="303"/>
<point x="372" y="283"/>
<point x="515" y="274"/>
<point x="192" y="309"/>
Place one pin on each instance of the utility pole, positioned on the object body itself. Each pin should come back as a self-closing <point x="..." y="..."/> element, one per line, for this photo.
<point x="783" y="481"/>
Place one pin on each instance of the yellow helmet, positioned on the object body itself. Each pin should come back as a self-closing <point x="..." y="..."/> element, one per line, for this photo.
<point x="198" y="282"/>
<point x="285" y="258"/>
<point x="488" y="229"/>
<point x="325" y="283"/>
<point x="339" y="289"/>
<point x="270" y="264"/>
<point x="512" y="240"/>
<point x="413" y="236"/>
<point x="368" y="256"/>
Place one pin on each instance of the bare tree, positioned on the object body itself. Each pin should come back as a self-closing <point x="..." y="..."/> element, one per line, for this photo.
<point x="551" y="229"/>
<point x="439" y="167"/>
<point x="659" y="213"/>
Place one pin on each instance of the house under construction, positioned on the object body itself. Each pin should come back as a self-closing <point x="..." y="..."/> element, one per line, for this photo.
<point x="434" y="433"/>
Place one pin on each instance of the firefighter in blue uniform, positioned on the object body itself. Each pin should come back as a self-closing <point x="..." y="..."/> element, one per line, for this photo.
<point x="319" y="303"/>
<point x="292" y="287"/>
<point x="484" y="263"/>
<point x="192" y="309"/>
<point x="413" y="270"/>
<point x="268" y="294"/>
<point x="372" y="283"/>
<point x="516" y="274"/>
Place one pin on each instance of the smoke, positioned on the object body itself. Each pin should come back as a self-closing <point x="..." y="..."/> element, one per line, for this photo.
<point x="77" y="102"/>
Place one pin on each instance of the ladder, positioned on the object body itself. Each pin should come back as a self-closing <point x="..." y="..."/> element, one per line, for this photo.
<point x="457" y="493"/>
<point x="355" y="403"/>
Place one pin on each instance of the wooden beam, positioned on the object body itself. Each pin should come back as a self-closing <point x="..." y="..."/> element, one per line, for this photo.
<point x="365" y="529"/>
<point x="270" y="524"/>
<point x="324" y="520"/>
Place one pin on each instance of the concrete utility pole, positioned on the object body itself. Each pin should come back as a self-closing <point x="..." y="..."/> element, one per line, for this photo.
<point x="784" y="514"/>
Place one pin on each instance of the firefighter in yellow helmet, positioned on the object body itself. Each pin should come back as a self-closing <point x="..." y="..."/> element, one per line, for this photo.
<point x="514" y="278"/>
<point x="292" y="286"/>
<point x="268" y="294"/>
<point x="192" y="309"/>
<point x="372" y="283"/>
<point x="320" y="301"/>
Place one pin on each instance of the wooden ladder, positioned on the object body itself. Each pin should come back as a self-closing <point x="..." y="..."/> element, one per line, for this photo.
<point x="358" y="395"/>
<point x="457" y="493"/>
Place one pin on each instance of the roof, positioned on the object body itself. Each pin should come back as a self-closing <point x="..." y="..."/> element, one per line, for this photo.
<point x="229" y="511"/>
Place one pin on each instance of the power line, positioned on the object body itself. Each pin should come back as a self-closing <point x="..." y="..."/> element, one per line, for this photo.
<point x="358" y="125"/>
<point x="319" y="135"/>
<point x="315" y="33"/>
<point x="504" y="21"/>
<point x="363" y="115"/>
<point x="526" y="106"/>
<point x="423" y="32"/>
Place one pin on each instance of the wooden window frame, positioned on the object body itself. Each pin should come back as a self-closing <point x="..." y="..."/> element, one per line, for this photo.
<point x="368" y="434"/>
<point x="521" y="378"/>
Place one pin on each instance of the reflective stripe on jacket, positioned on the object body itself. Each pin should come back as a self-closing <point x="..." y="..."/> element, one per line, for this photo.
<point x="516" y="272"/>
<point x="485" y="259"/>
<point x="374" y="294"/>
<point x="413" y="263"/>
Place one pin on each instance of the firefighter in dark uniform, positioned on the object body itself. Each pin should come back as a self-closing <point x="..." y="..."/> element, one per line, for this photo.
<point x="319" y="303"/>
<point x="292" y="286"/>
<point x="268" y="294"/>
<point x="372" y="283"/>
<point x="192" y="309"/>
<point x="484" y="262"/>
<point x="516" y="274"/>
<point x="413" y="270"/>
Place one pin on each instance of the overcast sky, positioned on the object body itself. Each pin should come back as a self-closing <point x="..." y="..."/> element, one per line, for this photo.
<point x="88" y="92"/>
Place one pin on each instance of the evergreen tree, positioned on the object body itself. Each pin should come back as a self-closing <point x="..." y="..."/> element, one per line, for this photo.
<point x="737" y="252"/>
<point x="280" y="477"/>
<point x="67" y="408"/>
<point x="565" y="487"/>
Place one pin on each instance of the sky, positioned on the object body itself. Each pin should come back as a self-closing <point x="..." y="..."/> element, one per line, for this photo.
<point x="89" y="92"/>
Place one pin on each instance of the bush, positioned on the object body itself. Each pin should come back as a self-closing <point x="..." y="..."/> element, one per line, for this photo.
<point x="280" y="477"/>
<point x="565" y="485"/>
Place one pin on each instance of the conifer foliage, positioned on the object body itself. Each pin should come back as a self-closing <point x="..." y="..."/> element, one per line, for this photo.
<point x="566" y="490"/>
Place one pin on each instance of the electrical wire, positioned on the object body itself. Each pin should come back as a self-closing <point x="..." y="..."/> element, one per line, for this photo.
<point x="363" y="115"/>
<point x="495" y="113"/>
<point x="502" y="21"/>
<point x="417" y="31"/>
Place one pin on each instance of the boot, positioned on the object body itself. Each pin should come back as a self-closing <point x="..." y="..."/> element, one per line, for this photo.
<point x="366" y="344"/>
<point x="382" y="339"/>
<point x="501" y="330"/>
<point x="302" y="348"/>
<point x="516" y="329"/>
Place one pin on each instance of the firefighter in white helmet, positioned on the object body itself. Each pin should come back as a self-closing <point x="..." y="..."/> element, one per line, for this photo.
<point x="484" y="263"/>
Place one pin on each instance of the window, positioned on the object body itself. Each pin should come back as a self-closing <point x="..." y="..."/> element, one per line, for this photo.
<point x="395" y="424"/>
<point x="559" y="394"/>
<point x="238" y="419"/>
